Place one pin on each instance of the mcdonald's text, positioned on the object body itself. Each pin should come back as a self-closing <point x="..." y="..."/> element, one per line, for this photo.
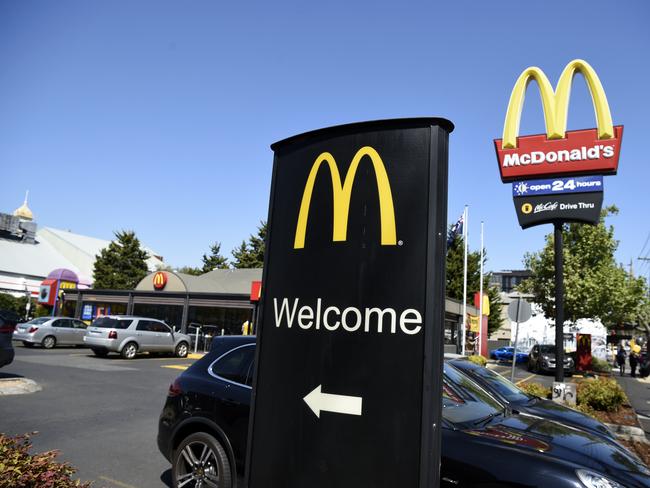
<point x="349" y="319"/>
<point x="580" y="153"/>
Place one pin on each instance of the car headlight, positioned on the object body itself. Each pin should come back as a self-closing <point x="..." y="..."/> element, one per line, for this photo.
<point x="545" y="358"/>
<point x="595" y="480"/>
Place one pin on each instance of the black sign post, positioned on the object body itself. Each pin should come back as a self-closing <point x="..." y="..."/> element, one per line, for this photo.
<point x="559" y="302"/>
<point x="347" y="388"/>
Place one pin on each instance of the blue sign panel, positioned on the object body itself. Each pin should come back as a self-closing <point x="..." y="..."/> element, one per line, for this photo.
<point x="578" y="184"/>
<point x="87" y="312"/>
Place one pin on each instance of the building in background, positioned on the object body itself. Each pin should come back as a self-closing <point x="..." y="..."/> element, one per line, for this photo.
<point x="506" y="281"/>
<point x="28" y="253"/>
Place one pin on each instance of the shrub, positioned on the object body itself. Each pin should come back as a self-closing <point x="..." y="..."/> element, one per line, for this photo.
<point x="600" y="366"/>
<point x="586" y="409"/>
<point x="536" y="389"/>
<point x="19" y="469"/>
<point x="477" y="359"/>
<point x="601" y="394"/>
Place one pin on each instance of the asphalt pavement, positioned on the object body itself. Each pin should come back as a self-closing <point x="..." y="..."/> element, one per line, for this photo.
<point x="101" y="413"/>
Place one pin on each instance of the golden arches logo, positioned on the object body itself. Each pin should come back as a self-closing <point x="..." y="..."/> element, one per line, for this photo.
<point x="159" y="280"/>
<point x="342" y="194"/>
<point x="555" y="103"/>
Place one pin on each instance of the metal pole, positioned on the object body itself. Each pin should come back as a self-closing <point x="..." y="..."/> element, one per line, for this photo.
<point x="514" y="351"/>
<point x="480" y="294"/>
<point x="559" y="304"/>
<point x="464" y="328"/>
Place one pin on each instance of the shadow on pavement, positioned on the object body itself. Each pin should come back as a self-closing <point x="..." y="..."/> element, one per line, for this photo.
<point x="4" y="376"/>
<point x="166" y="478"/>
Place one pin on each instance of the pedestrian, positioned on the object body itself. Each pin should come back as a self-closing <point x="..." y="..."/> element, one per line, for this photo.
<point x="634" y="361"/>
<point x="620" y="359"/>
<point x="246" y="328"/>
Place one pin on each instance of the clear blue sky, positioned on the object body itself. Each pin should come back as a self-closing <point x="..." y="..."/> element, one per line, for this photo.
<point x="157" y="115"/>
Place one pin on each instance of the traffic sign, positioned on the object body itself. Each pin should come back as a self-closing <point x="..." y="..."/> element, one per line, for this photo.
<point x="519" y="310"/>
<point x="348" y="379"/>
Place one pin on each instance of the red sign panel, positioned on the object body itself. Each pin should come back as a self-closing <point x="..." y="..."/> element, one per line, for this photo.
<point x="580" y="153"/>
<point x="159" y="280"/>
<point x="583" y="352"/>
<point x="256" y="291"/>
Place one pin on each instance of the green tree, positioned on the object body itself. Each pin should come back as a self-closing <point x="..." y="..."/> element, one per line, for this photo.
<point x="214" y="260"/>
<point x="455" y="267"/>
<point x="190" y="270"/>
<point x="251" y="254"/>
<point x="595" y="286"/>
<point x="15" y="304"/>
<point x="122" y="264"/>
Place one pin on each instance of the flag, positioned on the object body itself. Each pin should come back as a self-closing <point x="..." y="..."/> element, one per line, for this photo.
<point x="455" y="230"/>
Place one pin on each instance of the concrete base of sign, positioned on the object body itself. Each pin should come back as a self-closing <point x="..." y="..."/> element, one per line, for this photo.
<point x="18" y="386"/>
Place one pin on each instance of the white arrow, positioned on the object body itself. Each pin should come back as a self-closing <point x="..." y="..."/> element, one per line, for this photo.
<point x="325" y="402"/>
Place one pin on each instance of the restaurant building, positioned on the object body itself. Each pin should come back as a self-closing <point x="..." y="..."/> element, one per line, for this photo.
<point x="221" y="298"/>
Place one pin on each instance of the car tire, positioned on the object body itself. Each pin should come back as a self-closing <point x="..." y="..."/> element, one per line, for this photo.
<point x="129" y="350"/>
<point x="102" y="353"/>
<point x="48" y="342"/>
<point x="200" y="456"/>
<point x="182" y="349"/>
<point x="28" y="344"/>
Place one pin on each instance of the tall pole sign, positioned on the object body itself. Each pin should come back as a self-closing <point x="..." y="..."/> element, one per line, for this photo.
<point x="557" y="177"/>
<point x="347" y="389"/>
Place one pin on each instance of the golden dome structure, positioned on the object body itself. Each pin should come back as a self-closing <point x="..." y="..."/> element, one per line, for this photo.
<point x="23" y="212"/>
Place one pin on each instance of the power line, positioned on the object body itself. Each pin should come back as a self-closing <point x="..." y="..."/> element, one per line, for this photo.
<point x="645" y="244"/>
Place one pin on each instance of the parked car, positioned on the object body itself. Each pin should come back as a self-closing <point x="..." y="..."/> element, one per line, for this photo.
<point x="203" y="429"/>
<point x="129" y="335"/>
<point x="509" y="394"/>
<point x="8" y="321"/>
<point x="541" y="359"/>
<point x="48" y="332"/>
<point x="505" y="354"/>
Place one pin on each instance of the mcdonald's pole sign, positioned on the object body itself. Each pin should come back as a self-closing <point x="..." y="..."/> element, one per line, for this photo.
<point x="557" y="176"/>
<point x="558" y="152"/>
<point x="352" y="301"/>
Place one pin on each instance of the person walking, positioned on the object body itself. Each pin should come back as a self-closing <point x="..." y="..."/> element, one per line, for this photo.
<point x="634" y="361"/>
<point x="620" y="359"/>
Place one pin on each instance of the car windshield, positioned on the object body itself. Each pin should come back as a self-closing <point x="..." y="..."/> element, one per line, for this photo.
<point x="39" y="321"/>
<point x="547" y="349"/>
<point x="465" y="402"/>
<point x="111" y="323"/>
<point x="499" y="384"/>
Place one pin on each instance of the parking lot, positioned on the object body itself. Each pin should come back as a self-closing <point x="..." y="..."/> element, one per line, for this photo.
<point x="102" y="414"/>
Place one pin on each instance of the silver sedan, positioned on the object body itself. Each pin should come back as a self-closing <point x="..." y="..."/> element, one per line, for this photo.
<point x="51" y="331"/>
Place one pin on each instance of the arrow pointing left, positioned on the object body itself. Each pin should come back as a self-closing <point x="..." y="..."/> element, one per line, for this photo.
<point x="319" y="401"/>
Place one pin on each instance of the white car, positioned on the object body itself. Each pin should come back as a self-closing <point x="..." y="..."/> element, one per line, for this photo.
<point x="128" y="335"/>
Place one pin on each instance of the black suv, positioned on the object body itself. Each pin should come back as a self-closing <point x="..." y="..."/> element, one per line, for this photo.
<point x="8" y="321"/>
<point x="204" y="423"/>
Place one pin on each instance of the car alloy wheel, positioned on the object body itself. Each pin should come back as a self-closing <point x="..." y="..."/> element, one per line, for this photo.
<point x="129" y="351"/>
<point x="181" y="350"/>
<point x="201" y="462"/>
<point x="48" y="342"/>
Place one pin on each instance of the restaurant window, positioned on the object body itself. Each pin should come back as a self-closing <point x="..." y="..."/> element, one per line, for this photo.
<point x="92" y="310"/>
<point x="172" y="315"/>
<point x="228" y="320"/>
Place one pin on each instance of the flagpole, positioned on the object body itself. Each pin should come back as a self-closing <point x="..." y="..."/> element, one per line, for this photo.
<point x="465" y="234"/>
<point x="480" y="307"/>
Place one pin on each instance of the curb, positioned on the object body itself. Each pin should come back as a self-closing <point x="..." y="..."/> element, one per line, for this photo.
<point x="18" y="386"/>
